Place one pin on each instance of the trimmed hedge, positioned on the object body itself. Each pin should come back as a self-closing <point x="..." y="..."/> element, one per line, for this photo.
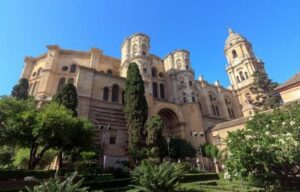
<point x="107" y="184"/>
<point x="199" y="177"/>
<point x="20" y="174"/>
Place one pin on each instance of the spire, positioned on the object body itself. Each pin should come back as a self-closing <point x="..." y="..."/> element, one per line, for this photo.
<point x="230" y="31"/>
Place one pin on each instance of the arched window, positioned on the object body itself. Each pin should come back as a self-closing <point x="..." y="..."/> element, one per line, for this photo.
<point x="73" y="68"/>
<point x="109" y="71"/>
<point x="105" y="93"/>
<point x="234" y="54"/>
<point x="184" y="99"/>
<point x="193" y="99"/>
<point x="39" y="72"/>
<point x="249" y="98"/>
<point x="178" y="63"/>
<point x="144" y="49"/>
<point x="115" y="93"/>
<point x="214" y="110"/>
<point x="154" y="89"/>
<point x="238" y="79"/>
<point x="229" y="108"/>
<point x="61" y="83"/>
<point x="242" y="75"/>
<point x="161" y="75"/>
<point x="246" y="75"/>
<point x="162" y="91"/>
<point x="154" y="72"/>
<point x="71" y="80"/>
<point x="200" y="107"/>
<point x="217" y="110"/>
<point x="134" y="49"/>
<point x="33" y="88"/>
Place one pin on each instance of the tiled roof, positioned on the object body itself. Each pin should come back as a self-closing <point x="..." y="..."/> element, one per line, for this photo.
<point x="291" y="81"/>
<point x="230" y="123"/>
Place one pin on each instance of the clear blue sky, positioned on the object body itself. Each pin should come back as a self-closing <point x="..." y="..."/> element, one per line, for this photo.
<point x="273" y="27"/>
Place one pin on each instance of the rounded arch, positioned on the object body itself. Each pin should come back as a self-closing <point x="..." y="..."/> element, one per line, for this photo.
<point x="170" y="119"/>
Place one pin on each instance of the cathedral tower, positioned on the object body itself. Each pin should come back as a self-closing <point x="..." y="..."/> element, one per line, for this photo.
<point x="242" y="63"/>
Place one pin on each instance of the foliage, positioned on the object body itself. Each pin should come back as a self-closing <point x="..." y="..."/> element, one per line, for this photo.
<point x="137" y="154"/>
<point x="149" y="177"/>
<point x="209" y="150"/>
<point x="50" y="127"/>
<point x="21" y="158"/>
<point x="88" y="155"/>
<point x="135" y="106"/>
<point x="67" y="96"/>
<point x="56" y="185"/>
<point x="20" y="91"/>
<point x="199" y="177"/>
<point x="6" y="156"/>
<point x="20" y="174"/>
<point x="267" y="97"/>
<point x="112" y="183"/>
<point x="267" y="150"/>
<point x="180" y="148"/>
<point x="154" y="127"/>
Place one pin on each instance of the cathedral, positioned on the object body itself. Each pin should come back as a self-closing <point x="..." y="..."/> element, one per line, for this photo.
<point x="190" y="108"/>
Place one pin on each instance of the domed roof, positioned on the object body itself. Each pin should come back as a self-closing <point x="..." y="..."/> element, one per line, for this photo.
<point x="233" y="38"/>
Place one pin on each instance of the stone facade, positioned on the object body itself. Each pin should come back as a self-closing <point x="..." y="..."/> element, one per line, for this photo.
<point x="290" y="90"/>
<point x="190" y="108"/>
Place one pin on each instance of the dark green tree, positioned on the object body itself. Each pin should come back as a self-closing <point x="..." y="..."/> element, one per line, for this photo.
<point x="210" y="151"/>
<point x="155" y="140"/>
<point x="20" y="91"/>
<point x="267" y="97"/>
<point x="180" y="148"/>
<point x="135" y="106"/>
<point x="67" y="96"/>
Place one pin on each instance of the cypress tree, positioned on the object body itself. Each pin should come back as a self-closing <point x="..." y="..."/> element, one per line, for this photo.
<point x="67" y="96"/>
<point x="20" y="91"/>
<point x="135" y="106"/>
<point x="267" y="97"/>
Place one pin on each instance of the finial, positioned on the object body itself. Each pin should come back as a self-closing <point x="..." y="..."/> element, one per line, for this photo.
<point x="230" y="31"/>
<point x="217" y="83"/>
<point x="200" y="78"/>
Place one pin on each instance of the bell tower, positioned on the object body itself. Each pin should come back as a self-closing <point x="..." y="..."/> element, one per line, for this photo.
<point x="242" y="63"/>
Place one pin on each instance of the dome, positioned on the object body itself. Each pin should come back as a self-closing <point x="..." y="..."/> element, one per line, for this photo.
<point x="233" y="38"/>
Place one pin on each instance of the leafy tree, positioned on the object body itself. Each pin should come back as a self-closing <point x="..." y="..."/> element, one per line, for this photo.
<point x="269" y="153"/>
<point x="267" y="97"/>
<point x="180" y="148"/>
<point x="57" y="185"/>
<point x="164" y="177"/>
<point x="210" y="151"/>
<point x="135" y="107"/>
<point x="6" y="156"/>
<point x="50" y="127"/>
<point x="67" y="96"/>
<point x="20" y="91"/>
<point x="157" y="145"/>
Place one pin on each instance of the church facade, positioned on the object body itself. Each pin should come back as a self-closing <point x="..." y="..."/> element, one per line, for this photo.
<point x="189" y="107"/>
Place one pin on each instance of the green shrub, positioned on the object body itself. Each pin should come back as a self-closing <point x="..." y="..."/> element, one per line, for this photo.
<point x="149" y="177"/>
<point x="7" y="174"/>
<point x="107" y="184"/>
<point x="56" y="185"/>
<point x="199" y="177"/>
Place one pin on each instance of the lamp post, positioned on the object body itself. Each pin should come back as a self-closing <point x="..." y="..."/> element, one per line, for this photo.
<point x="168" y="142"/>
<point x="195" y="135"/>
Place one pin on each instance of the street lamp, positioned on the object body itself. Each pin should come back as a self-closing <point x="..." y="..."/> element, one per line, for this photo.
<point x="168" y="142"/>
<point x="194" y="135"/>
